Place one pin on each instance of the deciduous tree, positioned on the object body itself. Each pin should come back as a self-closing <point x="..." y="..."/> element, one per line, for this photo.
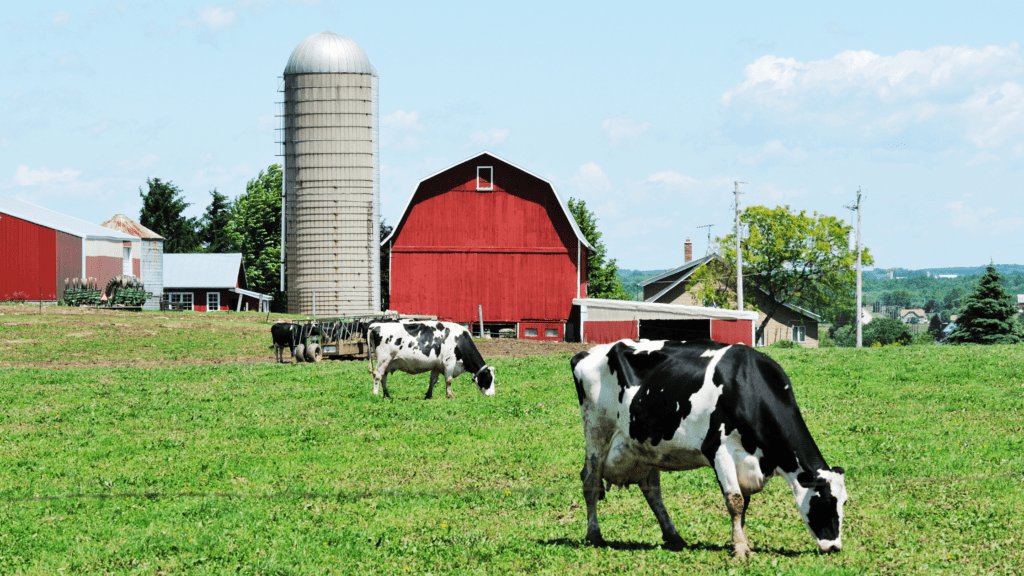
<point x="795" y="258"/>
<point x="255" y="231"/>
<point x="602" y="274"/>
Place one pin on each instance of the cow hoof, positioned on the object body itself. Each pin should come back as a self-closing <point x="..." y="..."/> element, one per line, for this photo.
<point x="742" y="552"/>
<point x="451" y="396"/>
<point x="674" y="543"/>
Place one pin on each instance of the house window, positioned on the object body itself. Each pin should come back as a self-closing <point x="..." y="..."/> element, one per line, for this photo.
<point x="484" y="178"/>
<point x="212" y="301"/>
<point x="183" y="298"/>
<point x="799" y="334"/>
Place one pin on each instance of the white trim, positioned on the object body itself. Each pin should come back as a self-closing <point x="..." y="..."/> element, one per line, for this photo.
<point x="798" y="333"/>
<point x="564" y="206"/>
<point x="210" y="294"/>
<point x="191" y="299"/>
<point x="490" y="181"/>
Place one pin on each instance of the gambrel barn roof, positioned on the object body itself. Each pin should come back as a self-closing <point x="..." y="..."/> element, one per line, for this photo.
<point x="483" y="156"/>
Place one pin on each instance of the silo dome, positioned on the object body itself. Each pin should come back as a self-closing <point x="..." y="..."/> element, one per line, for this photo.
<point x="326" y="53"/>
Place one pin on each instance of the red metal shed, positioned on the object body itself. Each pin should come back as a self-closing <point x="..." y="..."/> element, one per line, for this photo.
<point x="488" y="233"/>
<point x="40" y="247"/>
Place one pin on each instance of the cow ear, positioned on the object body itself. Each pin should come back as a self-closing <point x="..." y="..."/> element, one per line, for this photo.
<point x="838" y="470"/>
<point x="810" y="481"/>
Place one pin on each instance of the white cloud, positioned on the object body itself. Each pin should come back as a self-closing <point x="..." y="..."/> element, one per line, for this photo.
<point x="140" y="163"/>
<point x="401" y="119"/>
<point x="623" y="131"/>
<point x="23" y="176"/>
<point x="935" y="99"/>
<point x="964" y="216"/>
<point x="774" y="151"/>
<point x="491" y="137"/>
<point x="61" y="18"/>
<point x="591" y="179"/>
<point x="400" y="131"/>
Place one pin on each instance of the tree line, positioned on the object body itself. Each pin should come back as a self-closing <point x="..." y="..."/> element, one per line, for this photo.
<point x="250" y="224"/>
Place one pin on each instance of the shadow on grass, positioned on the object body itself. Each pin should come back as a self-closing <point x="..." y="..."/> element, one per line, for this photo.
<point x="698" y="547"/>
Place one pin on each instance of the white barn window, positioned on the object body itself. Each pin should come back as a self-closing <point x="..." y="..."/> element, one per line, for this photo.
<point x="485" y="178"/>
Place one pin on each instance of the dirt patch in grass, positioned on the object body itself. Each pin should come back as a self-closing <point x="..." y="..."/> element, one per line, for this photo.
<point x="512" y="348"/>
<point x="62" y="337"/>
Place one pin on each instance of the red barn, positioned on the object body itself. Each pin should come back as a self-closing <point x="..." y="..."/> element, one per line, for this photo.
<point x="486" y="232"/>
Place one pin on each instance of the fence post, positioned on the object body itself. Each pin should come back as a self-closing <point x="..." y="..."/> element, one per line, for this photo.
<point x="480" y="310"/>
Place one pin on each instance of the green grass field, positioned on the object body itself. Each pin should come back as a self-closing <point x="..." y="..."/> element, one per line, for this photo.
<point x="299" y="469"/>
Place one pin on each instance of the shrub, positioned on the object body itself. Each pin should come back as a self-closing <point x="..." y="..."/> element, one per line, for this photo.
<point x="783" y="344"/>
<point x="887" y="331"/>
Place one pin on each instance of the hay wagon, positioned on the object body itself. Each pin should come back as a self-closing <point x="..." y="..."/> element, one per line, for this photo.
<point x="336" y="338"/>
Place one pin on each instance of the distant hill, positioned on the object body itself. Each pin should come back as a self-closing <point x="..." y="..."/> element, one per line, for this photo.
<point x="630" y="278"/>
<point x="879" y="273"/>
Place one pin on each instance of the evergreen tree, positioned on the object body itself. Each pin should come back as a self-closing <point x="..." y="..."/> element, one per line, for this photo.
<point x="162" y="208"/>
<point x="987" y="315"/>
<point x="255" y="230"/>
<point x="935" y="327"/>
<point x="602" y="275"/>
<point x="213" y="227"/>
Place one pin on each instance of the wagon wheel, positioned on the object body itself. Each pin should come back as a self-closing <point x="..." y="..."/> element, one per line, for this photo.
<point x="300" y="353"/>
<point x="314" y="353"/>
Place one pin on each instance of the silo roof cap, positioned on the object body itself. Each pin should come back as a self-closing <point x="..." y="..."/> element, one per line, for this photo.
<point x="328" y="52"/>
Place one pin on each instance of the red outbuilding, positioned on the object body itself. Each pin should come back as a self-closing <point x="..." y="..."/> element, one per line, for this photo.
<point x="40" y="248"/>
<point x="487" y="233"/>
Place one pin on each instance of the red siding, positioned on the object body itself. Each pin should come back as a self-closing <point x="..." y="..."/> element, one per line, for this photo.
<point x="103" y="268"/>
<point x="136" y="267"/>
<point x="732" y="332"/>
<point x="28" y="260"/>
<point x="511" y="250"/>
<point x="610" y="331"/>
<point x="69" y="259"/>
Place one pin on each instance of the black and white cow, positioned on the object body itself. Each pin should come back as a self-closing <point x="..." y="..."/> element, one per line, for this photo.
<point x="649" y="406"/>
<point x="435" y="347"/>
<point x="287" y="335"/>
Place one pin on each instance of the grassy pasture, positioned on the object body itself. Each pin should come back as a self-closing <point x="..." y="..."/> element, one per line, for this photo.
<point x="272" y="469"/>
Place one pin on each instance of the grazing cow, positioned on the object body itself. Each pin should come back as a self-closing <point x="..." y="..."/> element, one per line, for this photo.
<point x="435" y="347"/>
<point x="286" y="335"/>
<point x="649" y="406"/>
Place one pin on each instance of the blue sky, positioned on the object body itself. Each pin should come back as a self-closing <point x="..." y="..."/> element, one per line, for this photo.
<point x="646" y="111"/>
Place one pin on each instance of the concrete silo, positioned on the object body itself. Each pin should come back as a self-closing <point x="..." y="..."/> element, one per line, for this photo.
<point x="331" y="178"/>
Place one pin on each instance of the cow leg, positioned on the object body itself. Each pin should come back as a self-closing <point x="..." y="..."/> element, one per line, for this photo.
<point x="448" y="387"/>
<point x="651" y="487"/>
<point x="593" y="490"/>
<point x="434" y="375"/>
<point x="380" y="376"/>
<point x="735" y="501"/>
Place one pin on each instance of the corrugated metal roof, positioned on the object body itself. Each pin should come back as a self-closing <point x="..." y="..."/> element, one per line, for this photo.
<point x="328" y="52"/>
<point x="656" y="310"/>
<point x="122" y="223"/>
<point x="201" y="270"/>
<point x="57" y="221"/>
<point x="564" y="206"/>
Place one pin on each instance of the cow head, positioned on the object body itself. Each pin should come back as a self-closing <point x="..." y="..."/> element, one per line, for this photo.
<point x="820" y="496"/>
<point x="484" y="378"/>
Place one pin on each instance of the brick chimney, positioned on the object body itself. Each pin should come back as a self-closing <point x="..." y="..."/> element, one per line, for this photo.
<point x="688" y="250"/>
